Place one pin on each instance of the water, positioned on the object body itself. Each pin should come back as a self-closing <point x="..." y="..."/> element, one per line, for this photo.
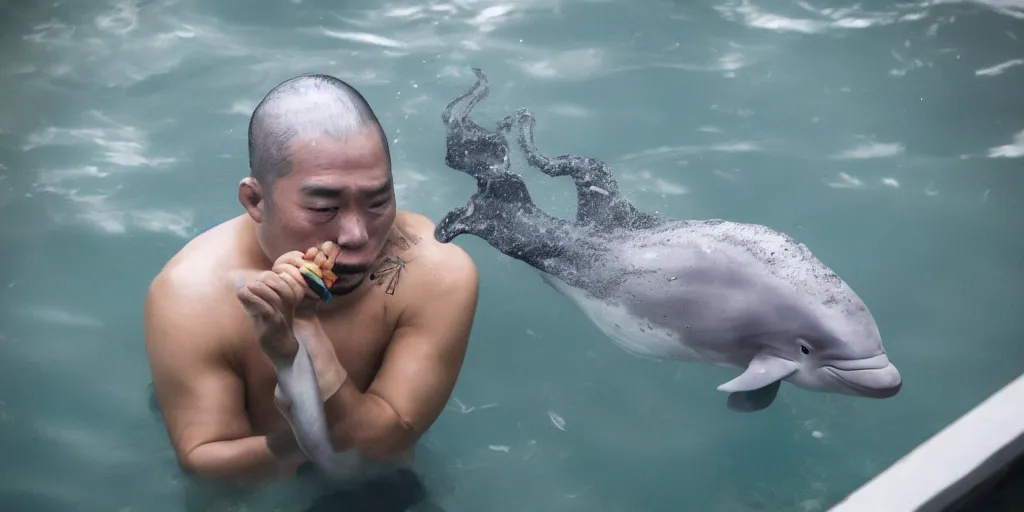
<point x="889" y="139"/>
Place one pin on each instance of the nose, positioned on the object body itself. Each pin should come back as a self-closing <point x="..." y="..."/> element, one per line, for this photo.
<point x="352" y="233"/>
<point x="874" y="377"/>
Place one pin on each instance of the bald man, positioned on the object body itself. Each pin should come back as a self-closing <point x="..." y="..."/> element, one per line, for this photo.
<point x="387" y="348"/>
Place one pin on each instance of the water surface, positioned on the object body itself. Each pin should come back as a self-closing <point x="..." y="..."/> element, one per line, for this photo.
<point x="888" y="137"/>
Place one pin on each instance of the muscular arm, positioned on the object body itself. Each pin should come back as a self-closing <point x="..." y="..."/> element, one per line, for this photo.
<point x="201" y="396"/>
<point x="420" y="367"/>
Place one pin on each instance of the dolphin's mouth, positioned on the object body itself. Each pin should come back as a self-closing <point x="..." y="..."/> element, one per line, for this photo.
<point x="872" y="377"/>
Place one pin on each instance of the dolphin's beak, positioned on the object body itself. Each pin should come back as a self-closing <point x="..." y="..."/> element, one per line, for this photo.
<point x="872" y="377"/>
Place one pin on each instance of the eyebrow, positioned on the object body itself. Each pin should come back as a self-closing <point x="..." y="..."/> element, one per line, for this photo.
<point x="332" y="192"/>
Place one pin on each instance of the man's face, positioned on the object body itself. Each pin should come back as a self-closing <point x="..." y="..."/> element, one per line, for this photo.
<point x="338" y="190"/>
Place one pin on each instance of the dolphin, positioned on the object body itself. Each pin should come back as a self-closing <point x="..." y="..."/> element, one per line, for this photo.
<point x="728" y="294"/>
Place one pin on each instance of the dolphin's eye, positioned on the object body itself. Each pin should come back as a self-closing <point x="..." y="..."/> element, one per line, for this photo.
<point x="803" y="346"/>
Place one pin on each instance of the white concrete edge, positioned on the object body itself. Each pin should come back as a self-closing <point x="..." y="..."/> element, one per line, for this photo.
<point x="949" y="464"/>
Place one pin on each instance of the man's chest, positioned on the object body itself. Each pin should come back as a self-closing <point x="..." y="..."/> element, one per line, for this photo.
<point x="358" y="338"/>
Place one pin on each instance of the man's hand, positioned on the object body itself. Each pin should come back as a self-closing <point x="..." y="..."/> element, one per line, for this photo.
<point x="291" y="262"/>
<point x="271" y="301"/>
<point x="324" y="255"/>
<point x="280" y="297"/>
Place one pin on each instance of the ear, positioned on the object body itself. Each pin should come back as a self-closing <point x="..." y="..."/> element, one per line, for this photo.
<point x="762" y="371"/>
<point x="250" y="194"/>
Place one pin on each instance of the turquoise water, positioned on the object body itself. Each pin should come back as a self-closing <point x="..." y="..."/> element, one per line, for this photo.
<point x="887" y="137"/>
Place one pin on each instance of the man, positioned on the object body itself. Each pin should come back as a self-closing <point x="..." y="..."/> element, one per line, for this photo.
<point x="387" y="348"/>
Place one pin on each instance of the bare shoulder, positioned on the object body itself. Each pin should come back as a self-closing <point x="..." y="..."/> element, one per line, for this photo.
<point x="427" y="269"/>
<point x="192" y="294"/>
<point x="432" y="265"/>
<point x="193" y="328"/>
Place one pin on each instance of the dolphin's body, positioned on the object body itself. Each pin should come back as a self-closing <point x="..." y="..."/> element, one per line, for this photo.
<point x="709" y="291"/>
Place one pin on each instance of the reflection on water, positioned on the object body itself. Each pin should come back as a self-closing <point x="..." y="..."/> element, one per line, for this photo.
<point x="886" y="136"/>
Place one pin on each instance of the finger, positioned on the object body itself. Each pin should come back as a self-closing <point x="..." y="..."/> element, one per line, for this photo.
<point x="295" y="261"/>
<point x="291" y="255"/>
<point x="249" y="299"/>
<point x="292" y="267"/>
<point x="297" y="287"/>
<point x="293" y="278"/>
<point x="321" y="259"/>
<point x="269" y="294"/>
<point x="254" y="305"/>
<point x="277" y="283"/>
<point x="331" y="250"/>
<point x="311" y="253"/>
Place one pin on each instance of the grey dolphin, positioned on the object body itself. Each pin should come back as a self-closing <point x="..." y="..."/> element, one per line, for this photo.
<point x="724" y="293"/>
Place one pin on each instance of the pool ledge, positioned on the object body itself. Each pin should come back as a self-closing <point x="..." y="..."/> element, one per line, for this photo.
<point x="957" y="466"/>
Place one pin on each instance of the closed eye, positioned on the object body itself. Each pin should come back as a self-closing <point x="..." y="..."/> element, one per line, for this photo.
<point x="381" y="202"/>
<point x="324" y="210"/>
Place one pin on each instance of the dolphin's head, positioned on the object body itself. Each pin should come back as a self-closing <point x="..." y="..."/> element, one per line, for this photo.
<point x="839" y="350"/>
<point x="856" y="366"/>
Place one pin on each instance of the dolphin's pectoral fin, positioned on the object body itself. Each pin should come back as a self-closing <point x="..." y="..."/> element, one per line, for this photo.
<point x="755" y="400"/>
<point x="762" y="371"/>
<point x="597" y="193"/>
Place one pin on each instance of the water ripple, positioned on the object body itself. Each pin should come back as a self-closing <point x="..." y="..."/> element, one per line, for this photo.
<point x="1014" y="149"/>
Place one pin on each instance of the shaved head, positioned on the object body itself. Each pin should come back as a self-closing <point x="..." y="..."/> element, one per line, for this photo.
<point x="306" y="107"/>
<point x="320" y="170"/>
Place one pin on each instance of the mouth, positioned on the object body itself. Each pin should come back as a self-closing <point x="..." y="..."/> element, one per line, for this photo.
<point x="872" y="377"/>
<point x="349" y="269"/>
<point x="346" y="281"/>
